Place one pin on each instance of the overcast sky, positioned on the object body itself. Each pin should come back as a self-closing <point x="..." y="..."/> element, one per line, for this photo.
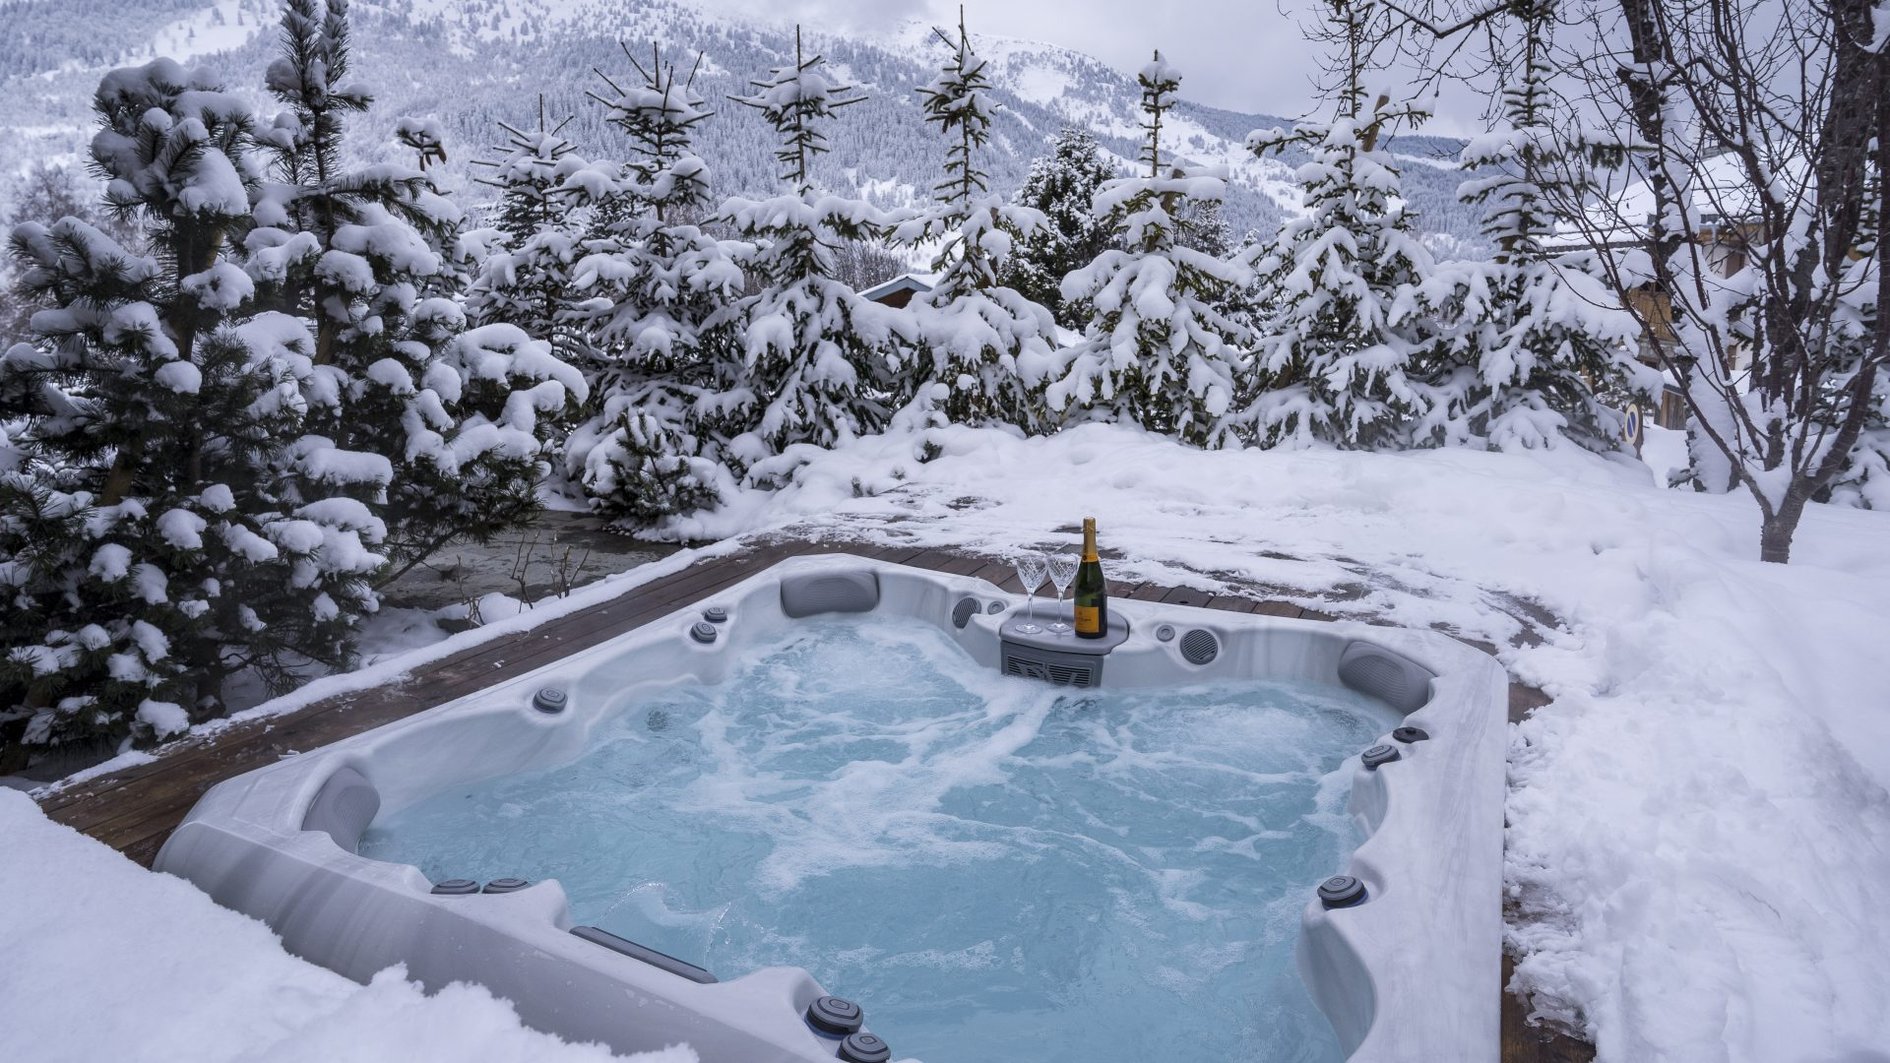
<point x="1243" y="55"/>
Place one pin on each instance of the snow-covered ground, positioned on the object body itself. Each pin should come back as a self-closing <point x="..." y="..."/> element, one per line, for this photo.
<point x="1699" y="839"/>
<point x="220" y="25"/>
<point x="101" y="959"/>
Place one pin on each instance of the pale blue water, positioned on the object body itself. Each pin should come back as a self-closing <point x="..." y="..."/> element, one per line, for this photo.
<point x="995" y="869"/>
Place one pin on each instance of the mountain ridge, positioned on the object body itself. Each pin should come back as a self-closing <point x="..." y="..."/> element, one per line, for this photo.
<point x="488" y="60"/>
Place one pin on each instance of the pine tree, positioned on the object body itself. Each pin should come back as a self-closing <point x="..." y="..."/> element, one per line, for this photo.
<point x="166" y="518"/>
<point x="1203" y="228"/>
<point x="1157" y="351"/>
<point x="45" y="193"/>
<point x="461" y="250"/>
<point x="1864" y="481"/>
<point x="1061" y="186"/>
<point x="659" y="297"/>
<point x="524" y="278"/>
<point x="1342" y="289"/>
<point x="982" y="346"/>
<point x="463" y="419"/>
<point x="1534" y="337"/>
<point x="817" y="358"/>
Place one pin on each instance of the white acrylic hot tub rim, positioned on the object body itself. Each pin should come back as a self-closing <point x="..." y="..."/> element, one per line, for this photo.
<point x="1413" y="974"/>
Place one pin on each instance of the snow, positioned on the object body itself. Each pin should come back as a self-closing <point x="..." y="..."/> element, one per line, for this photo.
<point x="217" y="27"/>
<point x="214" y="187"/>
<point x="110" y="562"/>
<point x="349" y="272"/>
<point x="221" y="287"/>
<point x="252" y="547"/>
<point x="398" y="247"/>
<point x="204" y="982"/>
<point x="329" y="464"/>
<point x="150" y="641"/>
<point x="137" y="323"/>
<point x="217" y="498"/>
<point x="1699" y="839"/>
<point x="151" y="584"/>
<point x="1664" y="450"/>
<point x="498" y="605"/>
<point x="165" y="718"/>
<point x="181" y="528"/>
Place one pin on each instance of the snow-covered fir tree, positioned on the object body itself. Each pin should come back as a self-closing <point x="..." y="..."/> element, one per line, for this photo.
<point x="983" y="349"/>
<point x="424" y="137"/>
<point x="658" y="300"/>
<point x="1864" y="480"/>
<point x="461" y="248"/>
<point x="1342" y="291"/>
<point x="817" y="359"/>
<point x="1203" y="228"/>
<point x="1061" y="186"/>
<point x="524" y="277"/>
<point x="166" y="516"/>
<point x="1157" y="349"/>
<point x="1535" y="334"/>
<point x="463" y="416"/>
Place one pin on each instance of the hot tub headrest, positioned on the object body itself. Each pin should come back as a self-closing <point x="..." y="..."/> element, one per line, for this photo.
<point x="813" y="593"/>
<point x="1390" y="677"/>
<point x="343" y="808"/>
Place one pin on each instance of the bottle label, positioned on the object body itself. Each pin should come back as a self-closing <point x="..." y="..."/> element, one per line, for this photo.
<point x="1088" y="618"/>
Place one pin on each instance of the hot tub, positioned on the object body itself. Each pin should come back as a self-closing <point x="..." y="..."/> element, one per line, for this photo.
<point x="1399" y="946"/>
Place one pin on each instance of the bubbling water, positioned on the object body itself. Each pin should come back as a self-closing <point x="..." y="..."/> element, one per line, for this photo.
<point x="995" y="868"/>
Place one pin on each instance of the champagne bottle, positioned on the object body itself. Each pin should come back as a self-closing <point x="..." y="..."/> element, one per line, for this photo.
<point x="1092" y="594"/>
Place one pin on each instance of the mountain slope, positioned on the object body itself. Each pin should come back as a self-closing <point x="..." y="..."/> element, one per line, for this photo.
<point x="472" y="63"/>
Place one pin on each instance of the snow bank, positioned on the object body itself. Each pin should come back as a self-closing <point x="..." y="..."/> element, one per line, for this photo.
<point x="105" y="960"/>
<point x="1699" y="840"/>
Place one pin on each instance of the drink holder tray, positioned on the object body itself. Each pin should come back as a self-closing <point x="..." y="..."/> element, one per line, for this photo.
<point x="1065" y="641"/>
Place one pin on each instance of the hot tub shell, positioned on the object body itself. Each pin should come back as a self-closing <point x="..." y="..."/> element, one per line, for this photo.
<point x="1411" y="974"/>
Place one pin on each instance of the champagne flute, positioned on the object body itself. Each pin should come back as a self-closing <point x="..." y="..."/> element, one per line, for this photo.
<point x="1062" y="569"/>
<point x="1029" y="567"/>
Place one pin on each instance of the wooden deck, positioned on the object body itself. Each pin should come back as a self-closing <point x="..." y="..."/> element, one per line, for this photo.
<point x="135" y="810"/>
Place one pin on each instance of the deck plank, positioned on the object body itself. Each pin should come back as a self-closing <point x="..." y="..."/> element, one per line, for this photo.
<point x="1144" y="592"/>
<point x="1187" y="596"/>
<point x="946" y="561"/>
<point x="1523" y="1043"/>
<point x="998" y="573"/>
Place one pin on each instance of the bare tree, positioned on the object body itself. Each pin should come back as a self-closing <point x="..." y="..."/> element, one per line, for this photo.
<point x="1749" y="250"/>
<point x="1758" y="272"/>
<point x="860" y="264"/>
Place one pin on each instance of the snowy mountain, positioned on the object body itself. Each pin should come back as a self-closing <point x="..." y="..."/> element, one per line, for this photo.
<point x="472" y="63"/>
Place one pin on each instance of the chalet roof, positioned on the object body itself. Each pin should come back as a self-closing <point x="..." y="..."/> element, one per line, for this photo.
<point x="1720" y="194"/>
<point x="916" y="283"/>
